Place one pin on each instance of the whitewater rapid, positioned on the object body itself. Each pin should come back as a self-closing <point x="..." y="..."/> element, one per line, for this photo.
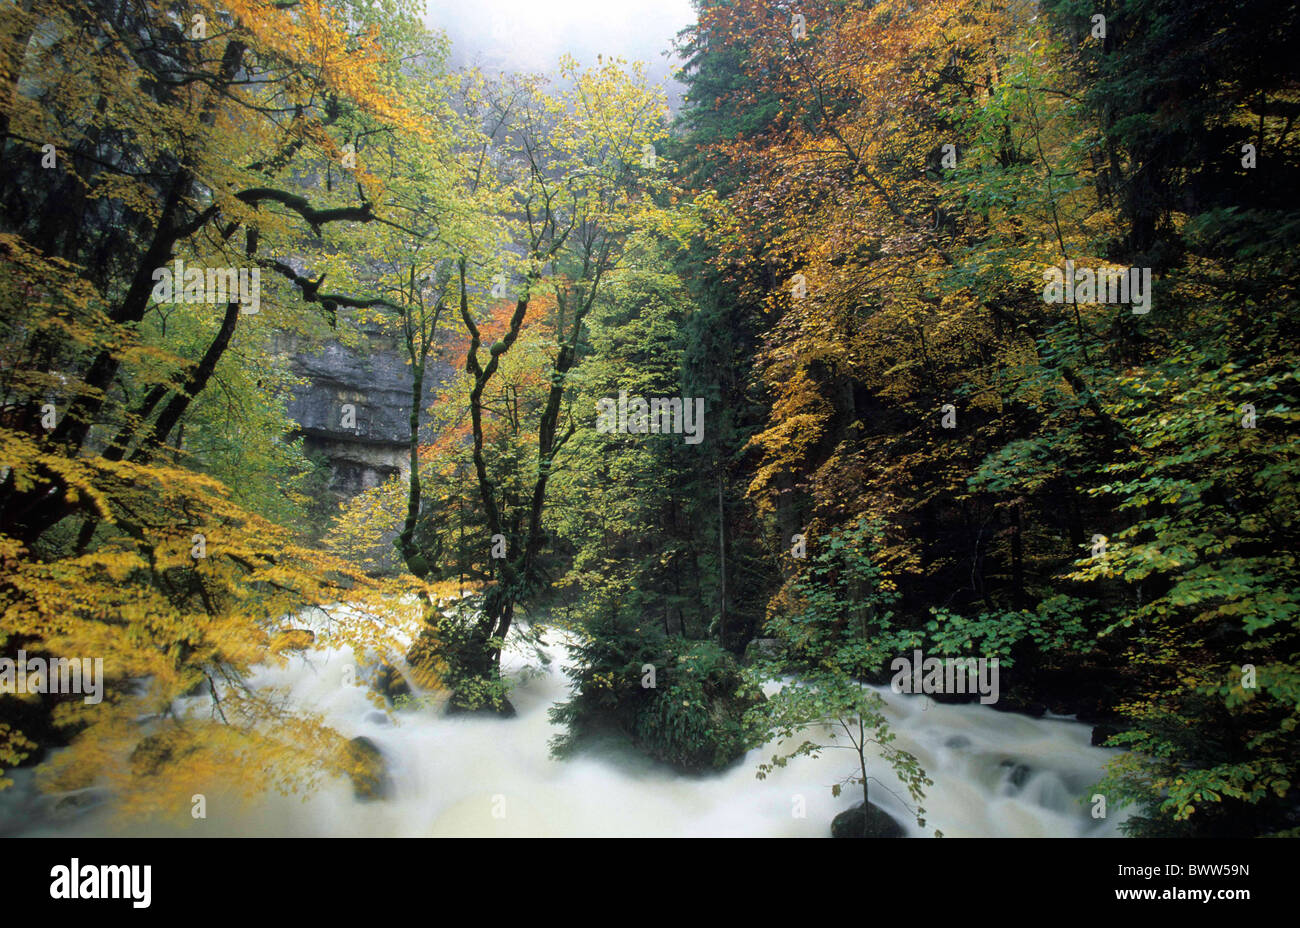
<point x="996" y="774"/>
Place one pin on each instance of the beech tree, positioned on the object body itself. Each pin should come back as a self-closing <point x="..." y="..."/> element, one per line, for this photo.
<point x="141" y="134"/>
<point x="576" y="161"/>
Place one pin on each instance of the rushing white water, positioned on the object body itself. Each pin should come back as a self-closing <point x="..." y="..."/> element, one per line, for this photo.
<point x="995" y="774"/>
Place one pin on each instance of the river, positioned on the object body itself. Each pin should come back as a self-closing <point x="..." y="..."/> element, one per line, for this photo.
<point x="996" y="774"/>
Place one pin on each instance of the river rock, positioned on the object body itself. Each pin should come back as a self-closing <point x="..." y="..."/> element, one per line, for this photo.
<point x="1102" y="732"/>
<point x="868" y="823"/>
<point x="78" y="802"/>
<point x="370" y="778"/>
<point x="1013" y="702"/>
<point x="389" y="683"/>
<point x="424" y="657"/>
<point x="1019" y="775"/>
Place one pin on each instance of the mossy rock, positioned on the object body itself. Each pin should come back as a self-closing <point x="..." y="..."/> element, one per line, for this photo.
<point x="425" y="661"/>
<point x="368" y="770"/>
<point x="389" y="683"/>
<point x="695" y="723"/>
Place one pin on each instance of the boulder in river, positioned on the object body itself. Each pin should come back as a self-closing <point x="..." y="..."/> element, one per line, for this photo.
<point x="1019" y="775"/>
<point x="78" y="802"/>
<point x="865" y="822"/>
<point x="1101" y="733"/>
<point x="368" y="770"/>
<point x="389" y="683"/>
<point x="425" y="660"/>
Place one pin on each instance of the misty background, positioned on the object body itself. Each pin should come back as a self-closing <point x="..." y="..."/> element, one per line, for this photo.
<point x="531" y="35"/>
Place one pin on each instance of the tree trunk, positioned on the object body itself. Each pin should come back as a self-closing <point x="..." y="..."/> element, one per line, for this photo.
<point x="722" y="568"/>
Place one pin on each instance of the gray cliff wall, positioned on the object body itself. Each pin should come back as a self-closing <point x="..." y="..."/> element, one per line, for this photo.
<point x="376" y="381"/>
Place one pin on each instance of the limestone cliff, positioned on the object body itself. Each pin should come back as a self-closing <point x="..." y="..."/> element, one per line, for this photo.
<point x="353" y="408"/>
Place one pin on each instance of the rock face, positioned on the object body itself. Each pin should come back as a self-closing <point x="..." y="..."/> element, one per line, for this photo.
<point x="760" y="649"/>
<point x="865" y="823"/>
<point x="354" y="409"/>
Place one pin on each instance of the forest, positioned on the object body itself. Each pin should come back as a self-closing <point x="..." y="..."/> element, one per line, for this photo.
<point x="921" y="385"/>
